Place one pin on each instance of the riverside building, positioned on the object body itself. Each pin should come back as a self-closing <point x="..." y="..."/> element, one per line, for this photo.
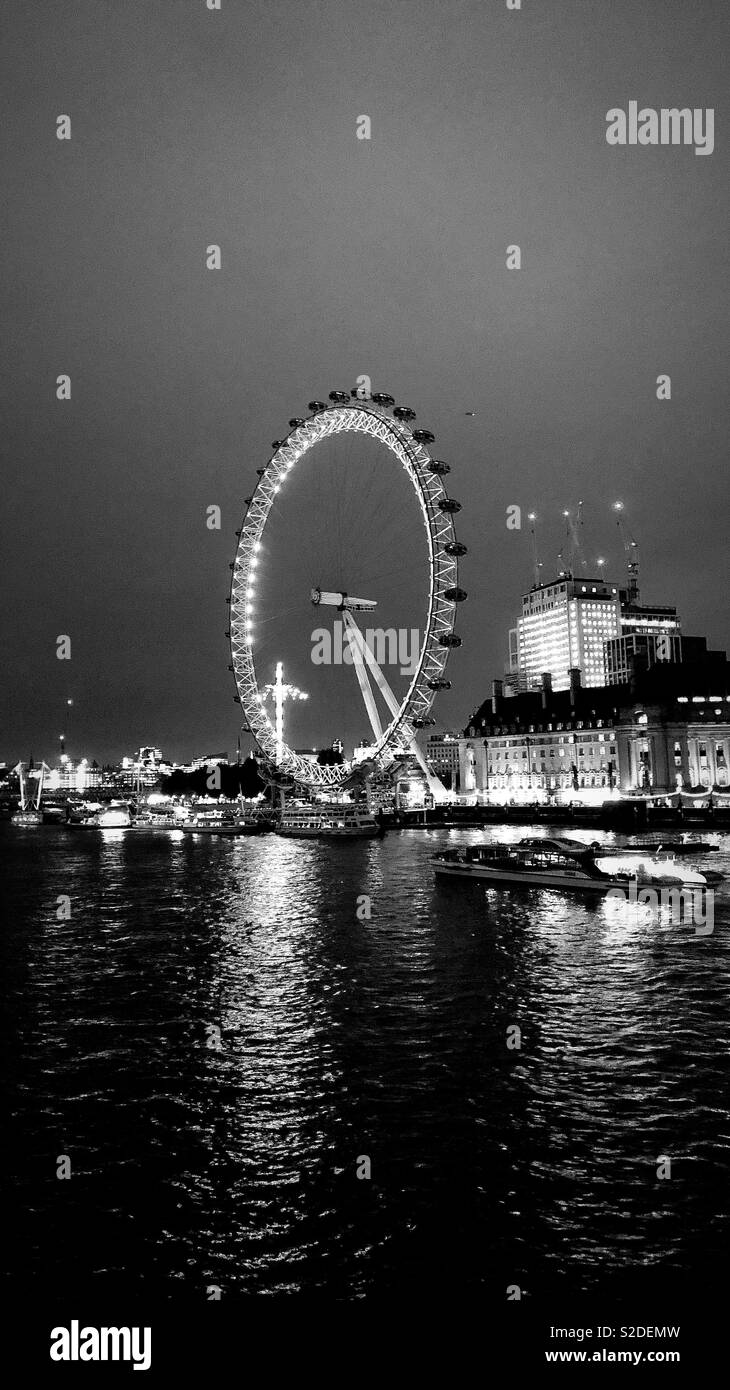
<point x="665" y="730"/>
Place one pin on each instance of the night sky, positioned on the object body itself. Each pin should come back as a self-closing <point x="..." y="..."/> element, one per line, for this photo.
<point x="342" y="257"/>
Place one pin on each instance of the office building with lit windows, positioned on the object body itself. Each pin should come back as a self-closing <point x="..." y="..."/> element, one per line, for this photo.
<point x="564" y="626"/>
<point x="635" y="651"/>
<point x="581" y="624"/>
<point x="648" y="620"/>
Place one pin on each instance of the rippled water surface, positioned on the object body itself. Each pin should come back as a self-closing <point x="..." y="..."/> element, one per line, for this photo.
<point x="201" y="1158"/>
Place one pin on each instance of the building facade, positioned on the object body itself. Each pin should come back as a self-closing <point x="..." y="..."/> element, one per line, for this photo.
<point x="68" y="776"/>
<point x="577" y="623"/>
<point x="655" y="620"/>
<point x="564" y="626"/>
<point x="142" y="771"/>
<point x="667" y="730"/>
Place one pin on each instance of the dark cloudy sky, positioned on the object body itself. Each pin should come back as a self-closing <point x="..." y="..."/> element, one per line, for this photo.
<point x="342" y="257"/>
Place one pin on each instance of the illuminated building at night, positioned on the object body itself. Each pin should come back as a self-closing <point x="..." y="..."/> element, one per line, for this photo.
<point x="665" y="730"/>
<point x="144" y="770"/>
<point x="74" y="777"/>
<point x="575" y="624"/>
<point x="564" y="626"/>
<point x="636" y="651"/>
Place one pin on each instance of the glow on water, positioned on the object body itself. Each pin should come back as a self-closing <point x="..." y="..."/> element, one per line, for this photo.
<point x="215" y="1036"/>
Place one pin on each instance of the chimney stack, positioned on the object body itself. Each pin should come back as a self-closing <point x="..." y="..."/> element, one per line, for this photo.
<point x="497" y="688"/>
<point x="575" y="685"/>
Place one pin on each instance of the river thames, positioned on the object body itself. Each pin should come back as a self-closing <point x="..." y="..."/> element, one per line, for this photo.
<point x="219" y="1040"/>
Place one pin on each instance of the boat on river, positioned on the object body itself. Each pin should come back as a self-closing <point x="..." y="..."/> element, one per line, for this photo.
<point x="334" y="822"/>
<point x="673" y="849"/>
<point x="115" y="816"/>
<point x="566" y="864"/>
<point x="147" y="820"/>
<point x="217" y="820"/>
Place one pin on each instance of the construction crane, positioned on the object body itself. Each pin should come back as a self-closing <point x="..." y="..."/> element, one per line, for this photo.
<point x="572" y="554"/>
<point x="631" y="549"/>
<point x="563" y="560"/>
<point x="536" y="563"/>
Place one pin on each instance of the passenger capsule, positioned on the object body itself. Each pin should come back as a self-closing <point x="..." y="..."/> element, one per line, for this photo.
<point x="424" y="436"/>
<point x="404" y="412"/>
<point x="317" y="406"/>
<point x="456" y="595"/>
<point x="456" y="548"/>
<point x="339" y="397"/>
<point x="439" y="684"/>
<point x="448" y="504"/>
<point x="380" y="398"/>
<point x="276" y="443"/>
<point x="449" y="639"/>
<point x="248" y="501"/>
<point x="295" y="420"/>
<point x="439" y="467"/>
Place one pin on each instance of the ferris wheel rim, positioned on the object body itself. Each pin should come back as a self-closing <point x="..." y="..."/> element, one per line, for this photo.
<point x="341" y="417"/>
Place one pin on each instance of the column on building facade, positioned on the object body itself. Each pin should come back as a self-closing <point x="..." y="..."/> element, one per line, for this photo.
<point x="723" y="777"/>
<point x="657" y="760"/>
<point x="480" y="766"/>
<point x="693" y="759"/>
<point x="465" y="745"/>
<point x="633" y="763"/>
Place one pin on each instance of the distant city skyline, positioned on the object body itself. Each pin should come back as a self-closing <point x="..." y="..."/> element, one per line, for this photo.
<point x="195" y="751"/>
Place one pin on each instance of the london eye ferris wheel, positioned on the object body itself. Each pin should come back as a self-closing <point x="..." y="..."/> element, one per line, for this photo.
<point x="394" y="717"/>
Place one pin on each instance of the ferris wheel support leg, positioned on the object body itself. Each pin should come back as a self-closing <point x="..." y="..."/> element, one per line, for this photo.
<point x="357" y="642"/>
<point x="435" y="787"/>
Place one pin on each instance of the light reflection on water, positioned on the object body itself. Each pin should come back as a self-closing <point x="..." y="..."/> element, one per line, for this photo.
<point x="230" y="1156"/>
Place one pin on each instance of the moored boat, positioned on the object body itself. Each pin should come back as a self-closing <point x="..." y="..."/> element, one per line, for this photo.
<point x="566" y="864"/>
<point x="674" y="849"/>
<point x="225" y="821"/>
<point x="113" y="817"/>
<point x="334" y="822"/>
<point x="26" y="819"/>
<point x="145" y="821"/>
